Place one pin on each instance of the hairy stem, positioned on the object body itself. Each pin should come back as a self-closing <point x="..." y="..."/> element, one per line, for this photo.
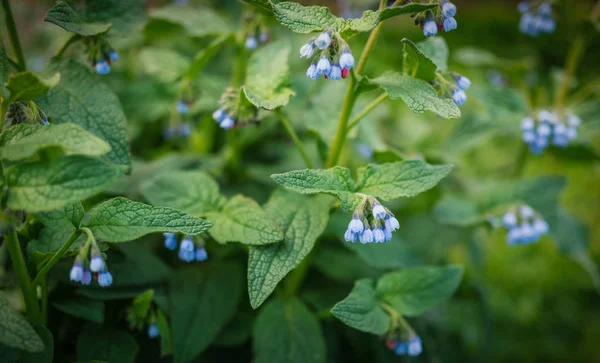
<point x="72" y="39"/>
<point x="573" y="58"/>
<point x="29" y="292"/>
<point x="290" y="130"/>
<point x="239" y="70"/>
<point x="14" y="36"/>
<point x="57" y="256"/>
<point x="370" y="107"/>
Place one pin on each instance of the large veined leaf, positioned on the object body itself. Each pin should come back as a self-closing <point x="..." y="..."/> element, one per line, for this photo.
<point x="15" y="330"/>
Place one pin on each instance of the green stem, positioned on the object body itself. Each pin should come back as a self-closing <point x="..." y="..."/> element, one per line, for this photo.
<point x="521" y="160"/>
<point x="14" y="36"/>
<point x="296" y="277"/>
<point x="72" y="39"/>
<point x="44" y="286"/>
<point x="57" y="256"/>
<point x="239" y="71"/>
<point x="573" y="58"/>
<point x="370" y="107"/>
<point x="29" y="292"/>
<point x="290" y="130"/>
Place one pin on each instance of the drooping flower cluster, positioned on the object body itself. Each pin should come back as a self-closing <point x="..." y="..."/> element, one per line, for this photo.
<point x="100" y="54"/>
<point x="549" y="129"/>
<point x="437" y="19"/>
<point x="255" y="28"/>
<point x="371" y="222"/>
<point x="524" y="225"/>
<point x="536" y="20"/>
<point x="330" y="56"/>
<point x="412" y="346"/>
<point x="85" y="268"/>
<point x="189" y="250"/>
<point x="178" y="128"/>
<point x="234" y="111"/>
<point x="21" y="112"/>
<point x="455" y="88"/>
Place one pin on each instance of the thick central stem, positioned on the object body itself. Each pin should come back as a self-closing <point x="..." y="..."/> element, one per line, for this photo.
<point x="14" y="36"/>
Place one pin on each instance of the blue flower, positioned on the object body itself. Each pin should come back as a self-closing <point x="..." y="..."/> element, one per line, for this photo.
<point x="219" y="115"/>
<point x="182" y="107"/>
<point x="170" y="241"/>
<point x="185" y="129"/>
<point x="540" y="226"/>
<point x="450" y="24"/>
<point x="201" y="254"/>
<point x="186" y="250"/>
<point x="153" y="331"/>
<point x="45" y="121"/>
<point x="378" y="211"/>
<point x="528" y="24"/>
<point x="545" y="9"/>
<point x="324" y="66"/>
<point x="335" y="73"/>
<point x="96" y="264"/>
<point x="350" y="236"/>
<point x="448" y="9"/>
<point x="87" y="277"/>
<point x="526" y="212"/>
<point x="311" y="72"/>
<point x="523" y="6"/>
<point x="415" y="346"/>
<point x="391" y="223"/>
<point x="263" y="37"/>
<point x="356" y="225"/>
<point x="102" y="67"/>
<point x="459" y="97"/>
<point x="527" y="124"/>
<point x="105" y="279"/>
<point x="430" y="28"/>
<point x="509" y="220"/>
<point x="251" y="42"/>
<point x="401" y="348"/>
<point x="573" y="120"/>
<point x="227" y="123"/>
<point x="514" y="236"/>
<point x="323" y="40"/>
<point x="346" y="59"/>
<point x="387" y="234"/>
<point x="571" y="133"/>
<point x="366" y="236"/>
<point x="378" y="235"/>
<point x="307" y="50"/>
<point x="76" y="273"/>
<point x="544" y="130"/>
<point x="463" y="82"/>
<point x="529" y="136"/>
<point x="113" y="55"/>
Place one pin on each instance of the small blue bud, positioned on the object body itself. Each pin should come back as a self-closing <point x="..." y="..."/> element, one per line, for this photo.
<point x="365" y="150"/>
<point x="186" y="250"/>
<point x="540" y="226"/>
<point x="263" y="37"/>
<point x="528" y="234"/>
<point x="573" y="120"/>
<point x="350" y="236"/>
<point x="307" y="50"/>
<point x="459" y="97"/>
<point x="187" y="244"/>
<point x="346" y="60"/>
<point x="170" y="241"/>
<point x="153" y="331"/>
<point x="102" y="67"/>
<point x="571" y="133"/>
<point x="324" y="66"/>
<point x="430" y="28"/>
<point x="560" y="129"/>
<point x="76" y="273"/>
<point x="87" y="278"/>
<point x="96" y="264"/>
<point x="528" y="25"/>
<point x="378" y="235"/>
<point x="113" y="55"/>
<point x="509" y="220"/>
<point x="45" y="121"/>
<point x="227" y="123"/>
<point x="251" y="42"/>
<point x="335" y="73"/>
<point x="379" y="211"/>
<point x="323" y="40"/>
<point x="544" y="130"/>
<point x="366" y="236"/>
<point x="526" y="212"/>
<point x="219" y="115"/>
<point x="185" y="129"/>
<point x="529" y="136"/>
<point x="448" y="10"/>
<point x="311" y="72"/>
<point x="182" y="107"/>
<point x="401" y="348"/>
<point x="527" y="124"/>
<point x="391" y="223"/>
<point x="201" y="254"/>
<point x="356" y="225"/>
<point x="545" y="9"/>
<point x="523" y="6"/>
<point x="415" y="346"/>
<point x="450" y="24"/>
<point x="514" y="236"/>
<point x="560" y="140"/>
<point x="105" y="279"/>
<point x="463" y="82"/>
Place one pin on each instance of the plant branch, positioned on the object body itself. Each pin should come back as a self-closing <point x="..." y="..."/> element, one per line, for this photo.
<point x="57" y="256"/>
<point x="72" y="39"/>
<point x="370" y="107"/>
<point x="290" y="130"/>
<point x="14" y="36"/>
<point x="573" y="58"/>
<point x="29" y="292"/>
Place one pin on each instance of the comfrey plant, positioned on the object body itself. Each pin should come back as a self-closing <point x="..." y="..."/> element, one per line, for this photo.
<point x="548" y="128"/>
<point x="439" y="18"/>
<point x="330" y="56"/>
<point x="536" y="18"/>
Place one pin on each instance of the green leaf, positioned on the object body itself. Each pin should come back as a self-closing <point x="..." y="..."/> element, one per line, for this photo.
<point x="65" y="15"/>
<point x="25" y="140"/>
<point x="165" y="64"/>
<point x="91" y="310"/>
<point x="203" y="57"/>
<point x="166" y="339"/>
<point x="50" y="240"/>
<point x="120" y="219"/>
<point x="360" y="309"/>
<point x="43" y="186"/>
<point x="268" y="81"/>
<point x="103" y="343"/>
<point x="237" y="331"/>
<point x="68" y="217"/>
<point x="197" y="22"/>
<point x="405" y="9"/>
<point x="477" y="57"/>
<point x="27" y="86"/>
<point x="400" y="179"/>
<point x="124" y="15"/>
<point x="304" y="19"/>
<point x="336" y="181"/>
<point x="261" y="4"/>
<point x="287" y="332"/>
<point x="393" y="255"/>
<point x="81" y="99"/>
<point x="243" y="220"/>
<point x="416" y="290"/>
<point x="137" y="313"/>
<point x="416" y="64"/>
<point x="45" y="356"/>
<point x="193" y="192"/>
<point x="203" y="300"/>
<point x="15" y="331"/>
<point x="302" y="220"/>
<point x="339" y="264"/>
<point x="418" y="95"/>
<point x="436" y="49"/>
<point x="4" y="69"/>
